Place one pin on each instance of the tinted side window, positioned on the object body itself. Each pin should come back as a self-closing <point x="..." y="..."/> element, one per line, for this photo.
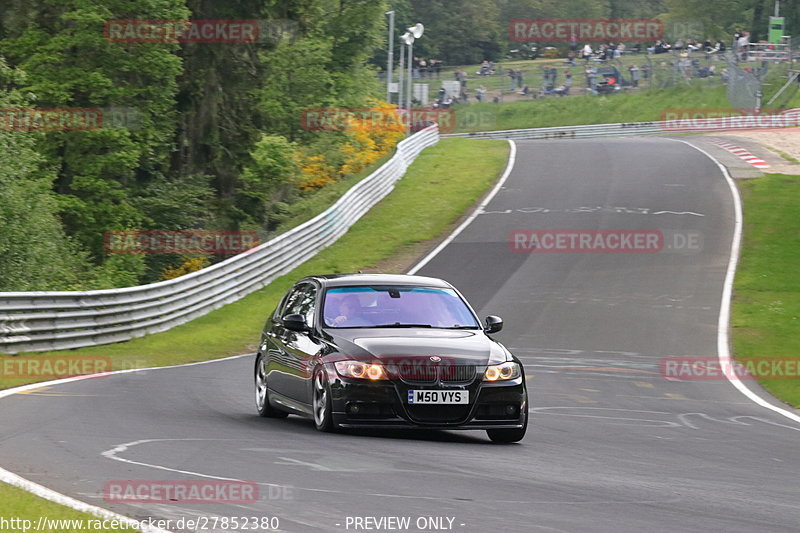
<point x="278" y="313"/>
<point x="302" y="302"/>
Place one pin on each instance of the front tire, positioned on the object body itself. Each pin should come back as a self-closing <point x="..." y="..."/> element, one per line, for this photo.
<point x="262" y="392"/>
<point x="322" y="404"/>
<point x="507" y="436"/>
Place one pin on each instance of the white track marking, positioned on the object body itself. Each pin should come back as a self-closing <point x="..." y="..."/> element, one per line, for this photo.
<point x="62" y="499"/>
<point x="53" y="496"/>
<point x="723" y="347"/>
<point x="512" y="157"/>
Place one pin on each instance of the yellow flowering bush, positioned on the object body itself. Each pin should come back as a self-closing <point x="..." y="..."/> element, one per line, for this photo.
<point x="190" y="264"/>
<point x="316" y="172"/>
<point x="366" y="141"/>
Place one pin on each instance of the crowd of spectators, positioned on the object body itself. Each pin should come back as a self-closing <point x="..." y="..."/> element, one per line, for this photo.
<point x="602" y="76"/>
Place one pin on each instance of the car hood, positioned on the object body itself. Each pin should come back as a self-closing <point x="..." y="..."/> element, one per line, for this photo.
<point x="461" y="347"/>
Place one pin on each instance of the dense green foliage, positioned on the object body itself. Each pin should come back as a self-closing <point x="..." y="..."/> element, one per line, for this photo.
<point x="205" y="132"/>
<point x="465" y="32"/>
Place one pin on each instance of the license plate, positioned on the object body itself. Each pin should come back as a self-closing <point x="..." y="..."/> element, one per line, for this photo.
<point x="438" y="397"/>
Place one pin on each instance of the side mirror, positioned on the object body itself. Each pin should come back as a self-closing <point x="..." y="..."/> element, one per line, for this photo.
<point x="295" y="323"/>
<point x="493" y="324"/>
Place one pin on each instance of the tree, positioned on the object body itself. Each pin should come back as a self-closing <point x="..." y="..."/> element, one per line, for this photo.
<point x="35" y="254"/>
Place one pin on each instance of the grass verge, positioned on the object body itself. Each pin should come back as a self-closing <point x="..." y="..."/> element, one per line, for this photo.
<point x="765" y="316"/>
<point x="439" y="188"/>
<point x="573" y="111"/>
<point x="22" y="512"/>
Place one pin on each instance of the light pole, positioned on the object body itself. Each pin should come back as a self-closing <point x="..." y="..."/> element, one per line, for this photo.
<point x="400" y="70"/>
<point x="414" y="32"/>
<point x="390" y="58"/>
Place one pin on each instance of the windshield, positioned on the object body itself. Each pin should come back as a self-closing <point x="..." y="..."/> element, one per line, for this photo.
<point x="372" y="307"/>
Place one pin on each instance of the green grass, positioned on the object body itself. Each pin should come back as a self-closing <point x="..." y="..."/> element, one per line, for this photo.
<point x="784" y="155"/>
<point x="553" y="111"/>
<point x="439" y="187"/>
<point x="765" y="318"/>
<point x="18" y="504"/>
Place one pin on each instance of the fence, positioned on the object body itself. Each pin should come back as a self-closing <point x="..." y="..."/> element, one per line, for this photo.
<point x="37" y="321"/>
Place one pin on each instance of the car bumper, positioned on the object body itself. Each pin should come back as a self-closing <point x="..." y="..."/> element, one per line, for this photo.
<point x="383" y="404"/>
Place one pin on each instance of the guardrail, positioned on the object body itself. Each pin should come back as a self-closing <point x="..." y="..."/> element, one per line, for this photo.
<point x="569" y="132"/>
<point x="55" y="320"/>
<point x="701" y="124"/>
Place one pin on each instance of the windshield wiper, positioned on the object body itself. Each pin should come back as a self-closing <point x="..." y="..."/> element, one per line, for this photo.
<point x="399" y="325"/>
<point x="463" y="327"/>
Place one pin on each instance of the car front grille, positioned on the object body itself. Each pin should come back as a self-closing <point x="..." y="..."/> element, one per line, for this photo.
<point x="431" y="374"/>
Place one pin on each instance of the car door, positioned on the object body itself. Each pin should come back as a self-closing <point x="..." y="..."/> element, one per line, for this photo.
<point x="275" y="336"/>
<point x="299" y="347"/>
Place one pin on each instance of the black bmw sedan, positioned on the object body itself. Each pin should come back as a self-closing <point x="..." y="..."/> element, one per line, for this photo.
<point x="388" y="351"/>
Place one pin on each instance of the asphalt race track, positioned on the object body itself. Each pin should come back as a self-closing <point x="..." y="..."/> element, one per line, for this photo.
<point x="613" y="445"/>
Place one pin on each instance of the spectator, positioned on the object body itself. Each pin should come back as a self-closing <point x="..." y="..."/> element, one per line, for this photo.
<point x="461" y="77"/>
<point x="634" y="70"/>
<point x="743" y="45"/>
<point x="512" y="75"/>
<point x="571" y="58"/>
<point x="591" y="79"/>
<point x="520" y="79"/>
<point x="437" y="67"/>
<point x="620" y="49"/>
<point x="480" y="93"/>
<point x="442" y="94"/>
<point x="587" y="52"/>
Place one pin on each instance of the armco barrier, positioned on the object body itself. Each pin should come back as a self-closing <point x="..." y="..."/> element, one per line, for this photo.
<point x="37" y="321"/>
<point x="616" y="129"/>
<point x="569" y="132"/>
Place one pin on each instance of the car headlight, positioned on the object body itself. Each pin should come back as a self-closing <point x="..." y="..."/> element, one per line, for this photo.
<point x="502" y="372"/>
<point x="359" y="370"/>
